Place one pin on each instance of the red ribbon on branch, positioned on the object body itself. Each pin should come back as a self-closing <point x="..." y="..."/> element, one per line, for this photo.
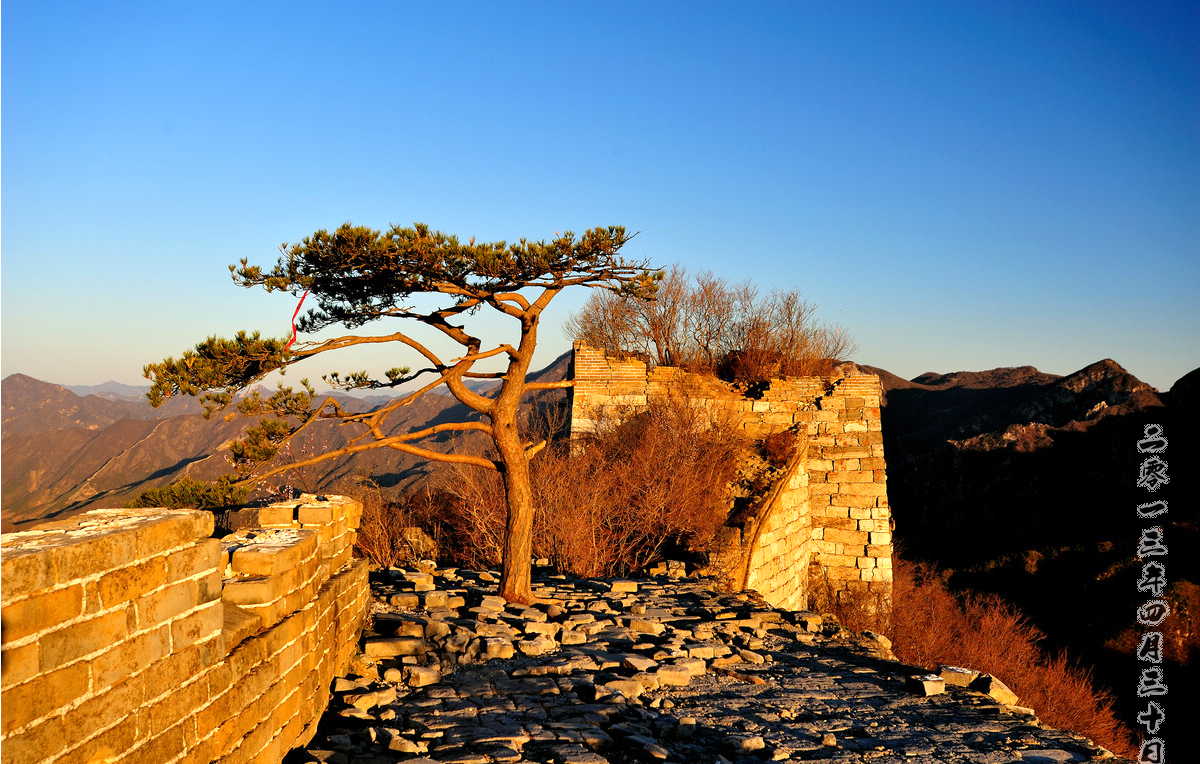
<point x="296" y="313"/>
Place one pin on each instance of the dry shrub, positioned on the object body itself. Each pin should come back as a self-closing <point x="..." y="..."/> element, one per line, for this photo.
<point x="388" y="533"/>
<point x="608" y="505"/>
<point x="930" y="625"/>
<point x="858" y="608"/>
<point x="779" y="447"/>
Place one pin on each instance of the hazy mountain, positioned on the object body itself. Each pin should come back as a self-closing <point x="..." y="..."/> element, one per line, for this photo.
<point x="111" y="390"/>
<point x="64" y="453"/>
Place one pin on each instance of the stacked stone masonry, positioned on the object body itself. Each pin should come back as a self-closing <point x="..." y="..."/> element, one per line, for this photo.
<point x="130" y="635"/>
<point x="827" y="530"/>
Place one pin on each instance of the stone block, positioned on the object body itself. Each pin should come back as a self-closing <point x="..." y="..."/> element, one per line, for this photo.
<point x="41" y="612"/>
<point x="44" y="694"/>
<point x="957" y="676"/>
<point x="104" y="709"/>
<point x="274" y="557"/>
<point x="925" y="685"/>
<point x="848" y="476"/>
<point x="40" y="743"/>
<point x="278" y="516"/>
<point x="861" y="489"/>
<point x="993" y="687"/>
<point x="169" y="529"/>
<point x="126" y="584"/>
<point x="391" y="647"/>
<point x="202" y="624"/>
<point x="93" y="556"/>
<point x="838" y="573"/>
<point x="25" y="571"/>
<point x="128" y="657"/>
<point x="180" y="704"/>
<point x="673" y="676"/>
<point x="421" y="676"/>
<point x="18" y="664"/>
<point x="837" y="523"/>
<point x="81" y="638"/>
<point x="855" y="538"/>
<point x="166" y="603"/>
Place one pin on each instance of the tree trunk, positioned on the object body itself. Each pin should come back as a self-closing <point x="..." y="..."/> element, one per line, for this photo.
<point x="515" y="579"/>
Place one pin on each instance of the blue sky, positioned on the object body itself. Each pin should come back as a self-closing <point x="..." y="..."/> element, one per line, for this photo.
<point x="961" y="185"/>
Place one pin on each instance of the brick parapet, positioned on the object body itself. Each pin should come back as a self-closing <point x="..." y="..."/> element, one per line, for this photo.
<point x="845" y="470"/>
<point x="120" y="645"/>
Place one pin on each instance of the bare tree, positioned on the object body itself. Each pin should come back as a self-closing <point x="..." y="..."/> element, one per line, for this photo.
<point x="706" y="324"/>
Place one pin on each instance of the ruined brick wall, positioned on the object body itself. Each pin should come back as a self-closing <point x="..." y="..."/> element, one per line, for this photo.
<point x="829" y="528"/>
<point x="130" y="635"/>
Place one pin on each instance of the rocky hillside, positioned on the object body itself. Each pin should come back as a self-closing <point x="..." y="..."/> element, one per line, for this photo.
<point x="64" y="453"/>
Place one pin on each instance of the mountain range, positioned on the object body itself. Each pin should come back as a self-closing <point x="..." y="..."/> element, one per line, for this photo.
<point x="1011" y="481"/>
<point x="65" y="453"/>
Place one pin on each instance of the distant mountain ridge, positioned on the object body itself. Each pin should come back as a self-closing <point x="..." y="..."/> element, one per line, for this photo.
<point x="64" y="453"/>
<point x="111" y="390"/>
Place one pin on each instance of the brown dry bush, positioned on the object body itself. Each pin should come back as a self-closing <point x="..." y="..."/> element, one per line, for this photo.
<point x="388" y="532"/>
<point x="610" y="504"/>
<point x="929" y="626"/>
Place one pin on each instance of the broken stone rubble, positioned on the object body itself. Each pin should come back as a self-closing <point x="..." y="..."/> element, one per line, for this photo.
<point x="652" y="670"/>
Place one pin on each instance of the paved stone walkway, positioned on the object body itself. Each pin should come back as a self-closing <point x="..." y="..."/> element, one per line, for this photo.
<point x="647" y="671"/>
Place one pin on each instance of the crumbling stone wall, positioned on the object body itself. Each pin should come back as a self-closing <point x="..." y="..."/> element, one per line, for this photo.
<point x="131" y="635"/>
<point x="826" y="527"/>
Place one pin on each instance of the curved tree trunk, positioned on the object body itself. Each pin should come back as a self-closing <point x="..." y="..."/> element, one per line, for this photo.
<point x="515" y="580"/>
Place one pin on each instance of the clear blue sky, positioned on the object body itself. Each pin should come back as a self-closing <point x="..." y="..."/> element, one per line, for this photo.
<point x="961" y="185"/>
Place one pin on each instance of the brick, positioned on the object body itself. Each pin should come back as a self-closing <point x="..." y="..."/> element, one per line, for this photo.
<point x="836" y="535"/>
<point x="839" y="523"/>
<point x="45" y="693"/>
<point x="180" y="703"/>
<point x="173" y="529"/>
<point x="162" y="747"/>
<point x="176" y="668"/>
<point x="194" y="560"/>
<point x="125" y="584"/>
<point x="93" y="556"/>
<point x="203" y="623"/>
<point x="18" y="664"/>
<point x="75" y="641"/>
<point x="105" y="709"/>
<point x="843" y="573"/>
<point x="163" y="605"/>
<point x="862" y="489"/>
<point x="256" y="590"/>
<point x="41" y="612"/>
<point x="25" y="571"/>
<point x="847" y="476"/>
<point x="277" y="515"/>
<point x="37" y="744"/>
<point x="880" y="537"/>
<point x="127" y="658"/>
<point x="273" y="559"/>
<point x="209" y="588"/>
<point x="110" y="744"/>
<point x="318" y="515"/>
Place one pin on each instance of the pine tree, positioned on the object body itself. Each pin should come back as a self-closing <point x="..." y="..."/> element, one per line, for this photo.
<point x="357" y="276"/>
